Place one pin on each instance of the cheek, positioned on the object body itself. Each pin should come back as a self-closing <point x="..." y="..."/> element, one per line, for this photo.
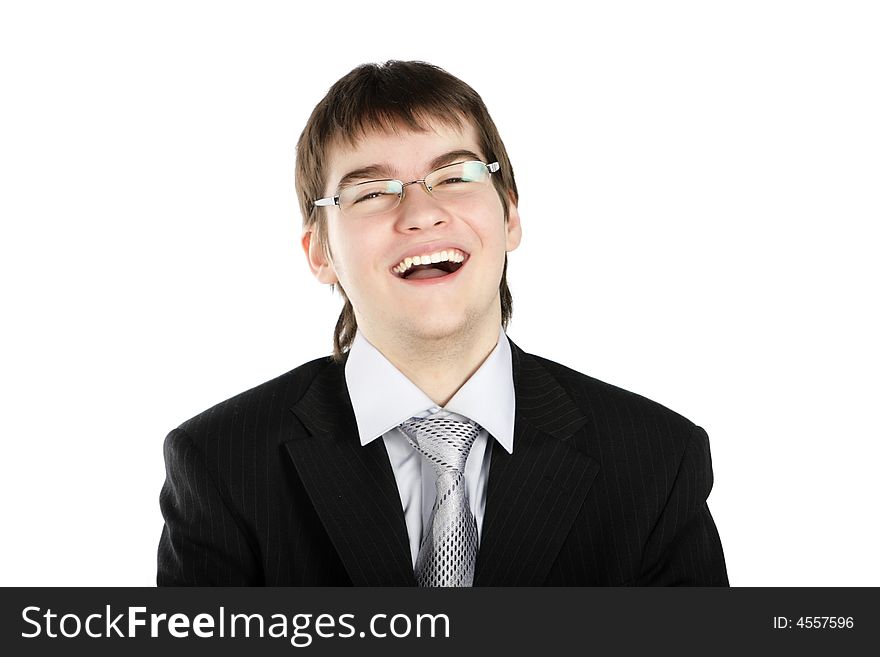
<point x="485" y="216"/>
<point x="492" y="231"/>
<point x="353" y="256"/>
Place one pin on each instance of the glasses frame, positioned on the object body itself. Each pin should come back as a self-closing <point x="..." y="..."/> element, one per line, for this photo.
<point x="494" y="167"/>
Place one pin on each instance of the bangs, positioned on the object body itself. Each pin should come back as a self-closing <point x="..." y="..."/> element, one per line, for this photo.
<point x="394" y="121"/>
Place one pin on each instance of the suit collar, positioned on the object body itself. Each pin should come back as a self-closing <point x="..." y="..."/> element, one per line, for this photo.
<point x="535" y="493"/>
<point x="351" y="487"/>
<point x="540" y="399"/>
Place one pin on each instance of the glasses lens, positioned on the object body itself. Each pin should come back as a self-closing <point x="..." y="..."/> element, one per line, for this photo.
<point x="458" y="179"/>
<point x="370" y="197"/>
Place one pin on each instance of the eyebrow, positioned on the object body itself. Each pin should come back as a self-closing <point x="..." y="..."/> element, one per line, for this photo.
<point x="384" y="171"/>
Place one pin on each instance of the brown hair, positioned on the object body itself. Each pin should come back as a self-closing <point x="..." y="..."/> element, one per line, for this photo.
<point x="383" y="96"/>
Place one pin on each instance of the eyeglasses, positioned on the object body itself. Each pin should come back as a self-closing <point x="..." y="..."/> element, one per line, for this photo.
<point x="446" y="183"/>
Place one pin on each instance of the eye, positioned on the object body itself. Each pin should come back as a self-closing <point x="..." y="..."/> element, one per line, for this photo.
<point x="370" y="196"/>
<point x="454" y="181"/>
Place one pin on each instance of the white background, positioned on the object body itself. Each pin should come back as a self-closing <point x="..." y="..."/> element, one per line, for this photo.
<point x="699" y="194"/>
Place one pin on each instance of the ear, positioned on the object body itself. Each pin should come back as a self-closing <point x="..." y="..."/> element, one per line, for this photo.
<point x="514" y="229"/>
<point x="320" y="265"/>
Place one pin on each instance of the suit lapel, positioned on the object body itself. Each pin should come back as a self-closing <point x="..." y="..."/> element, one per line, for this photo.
<point x="352" y="487"/>
<point x="536" y="492"/>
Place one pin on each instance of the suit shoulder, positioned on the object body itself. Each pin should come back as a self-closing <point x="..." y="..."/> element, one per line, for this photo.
<point x="261" y="403"/>
<point x="617" y="407"/>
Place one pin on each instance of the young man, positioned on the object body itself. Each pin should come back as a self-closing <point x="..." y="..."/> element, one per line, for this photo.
<point x="429" y="449"/>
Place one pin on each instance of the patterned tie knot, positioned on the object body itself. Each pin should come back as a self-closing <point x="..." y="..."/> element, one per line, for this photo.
<point x="443" y="441"/>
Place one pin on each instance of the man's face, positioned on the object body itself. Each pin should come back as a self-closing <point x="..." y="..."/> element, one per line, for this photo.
<point x="366" y="251"/>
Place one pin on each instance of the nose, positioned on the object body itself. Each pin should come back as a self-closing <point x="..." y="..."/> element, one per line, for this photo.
<point x="418" y="209"/>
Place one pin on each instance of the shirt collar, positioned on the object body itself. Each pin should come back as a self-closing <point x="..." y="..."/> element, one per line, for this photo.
<point x="382" y="397"/>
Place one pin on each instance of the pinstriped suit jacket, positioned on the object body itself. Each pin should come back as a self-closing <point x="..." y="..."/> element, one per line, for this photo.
<point x="604" y="487"/>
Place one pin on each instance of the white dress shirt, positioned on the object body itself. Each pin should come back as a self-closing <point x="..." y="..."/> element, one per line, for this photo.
<point x="382" y="398"/>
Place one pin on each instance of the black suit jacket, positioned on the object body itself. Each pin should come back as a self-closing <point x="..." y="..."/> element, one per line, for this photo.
<point x="273" y="487"/>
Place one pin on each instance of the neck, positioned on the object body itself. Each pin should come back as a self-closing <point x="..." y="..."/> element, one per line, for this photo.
<point x="439" y="366"/>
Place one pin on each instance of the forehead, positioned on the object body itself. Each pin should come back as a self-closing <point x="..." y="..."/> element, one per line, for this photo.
<point x="400" y="152"/>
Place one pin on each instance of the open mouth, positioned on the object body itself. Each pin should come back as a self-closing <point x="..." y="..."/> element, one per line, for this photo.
<point x="432" y="265"/>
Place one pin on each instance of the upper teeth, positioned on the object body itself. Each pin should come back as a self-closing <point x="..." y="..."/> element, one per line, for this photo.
<point x="452" y="255"/>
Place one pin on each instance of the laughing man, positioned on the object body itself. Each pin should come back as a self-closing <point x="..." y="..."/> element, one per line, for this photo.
<point x="429" y="449"/>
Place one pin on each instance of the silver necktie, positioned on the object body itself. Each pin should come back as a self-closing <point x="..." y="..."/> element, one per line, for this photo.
<point x="449" y="549"/>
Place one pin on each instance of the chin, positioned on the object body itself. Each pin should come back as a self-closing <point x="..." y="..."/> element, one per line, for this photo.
<point x="436" y="328"/>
